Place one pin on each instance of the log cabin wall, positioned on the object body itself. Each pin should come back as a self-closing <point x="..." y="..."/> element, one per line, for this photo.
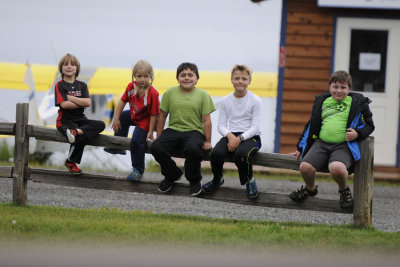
<point x="307" y="66"/>
<point x="309" y="32"/>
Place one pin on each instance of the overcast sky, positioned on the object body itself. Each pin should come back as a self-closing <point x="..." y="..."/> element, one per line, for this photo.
<point x="215" y="34"/>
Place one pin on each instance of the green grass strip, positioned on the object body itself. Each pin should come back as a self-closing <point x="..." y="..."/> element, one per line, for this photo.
<point x="115" y="226"/>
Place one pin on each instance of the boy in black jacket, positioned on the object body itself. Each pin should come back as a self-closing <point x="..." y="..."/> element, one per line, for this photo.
<point x="329" y="141"/>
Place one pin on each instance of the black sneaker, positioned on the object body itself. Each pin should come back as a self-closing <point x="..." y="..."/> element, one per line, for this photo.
<point x="115" y="151"/>
<point x="346" y="200"/>
<point x="195" y="189"/>
<point x="211" y="186"/>
<point x="165" y="185"/>
<point x="302" y="193"/>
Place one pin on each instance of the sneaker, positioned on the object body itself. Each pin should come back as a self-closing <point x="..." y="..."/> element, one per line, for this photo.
<point x="210" y="186"/>
<point x="72" y="167"/>
<point x="302" y="193"/>
<point x="195" y="189"/>
<point x="165" y="185"/>
<point x="114" y="151"/>
<point x="71" y="135"/>
<point x="251" y="187"/>
<point x="135" y="175"/>
<point x="346" y="200"/>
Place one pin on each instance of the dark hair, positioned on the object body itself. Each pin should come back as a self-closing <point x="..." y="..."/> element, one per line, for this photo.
<point x="187" y="65"/>
<point x="340" y="76"/>
<point x="74" y="61"/>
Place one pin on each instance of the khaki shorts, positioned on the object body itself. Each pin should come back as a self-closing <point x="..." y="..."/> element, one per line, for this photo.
<point x="321" y="154"/>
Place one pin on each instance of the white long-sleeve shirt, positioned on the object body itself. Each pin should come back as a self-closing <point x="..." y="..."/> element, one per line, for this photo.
<point x="240" y="115"/>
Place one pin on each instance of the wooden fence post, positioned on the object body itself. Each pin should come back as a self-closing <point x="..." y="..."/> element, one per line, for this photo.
<point x="21" y="154"/>
<point x="363" y="184"/>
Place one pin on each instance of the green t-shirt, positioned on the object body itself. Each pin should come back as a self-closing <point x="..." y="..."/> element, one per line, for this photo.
<point x="186" y="110"/>
<point x="334" y="119"/>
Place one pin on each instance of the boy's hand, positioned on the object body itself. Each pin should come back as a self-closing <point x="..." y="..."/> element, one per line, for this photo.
<point x="295" y="153"/>
<point x="351" y="134"/>
<point x="234" y="143"/>
<point x="207" y="145"/>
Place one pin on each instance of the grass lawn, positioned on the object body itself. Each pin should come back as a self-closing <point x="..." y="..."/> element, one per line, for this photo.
<point x="118" y="227"/>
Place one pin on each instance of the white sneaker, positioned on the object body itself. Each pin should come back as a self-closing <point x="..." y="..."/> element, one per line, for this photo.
<point x="71" y="135"/>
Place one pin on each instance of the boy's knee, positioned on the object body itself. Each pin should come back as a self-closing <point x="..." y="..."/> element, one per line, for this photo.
<point x="215" y="155"/>
<point x="307" y="168"/>
<point x="337" y="168"/>
<point x="193" y="151"/>
<point x="239" y="159"/>
<point x="154" y="148"/>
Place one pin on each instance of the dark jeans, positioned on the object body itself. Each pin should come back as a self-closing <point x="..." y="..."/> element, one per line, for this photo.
<point x="90" y="128"/>
<point x="190" y="143"/>
<point x="242" y="156"/>
<point x="138" y="140"/>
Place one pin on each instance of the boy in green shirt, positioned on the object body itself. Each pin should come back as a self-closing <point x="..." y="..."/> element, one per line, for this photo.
<point x="189" y="128"/>
<point x="329" y="141"/>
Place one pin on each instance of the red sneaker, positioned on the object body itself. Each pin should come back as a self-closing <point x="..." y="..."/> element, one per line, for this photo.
<point x="72" y="167"/>
<point x="71" y="135"/>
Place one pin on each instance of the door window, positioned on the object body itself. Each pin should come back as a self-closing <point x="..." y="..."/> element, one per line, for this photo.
<point x="368" y="50"/>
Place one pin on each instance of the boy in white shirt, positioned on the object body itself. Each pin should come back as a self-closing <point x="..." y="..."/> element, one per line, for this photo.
<point x="240" y="125"/>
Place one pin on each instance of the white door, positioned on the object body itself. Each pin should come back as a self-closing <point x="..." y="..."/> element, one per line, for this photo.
<point x="369" y="50"/>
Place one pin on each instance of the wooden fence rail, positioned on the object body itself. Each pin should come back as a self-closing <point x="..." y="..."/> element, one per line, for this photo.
<point x="21" y="173"/>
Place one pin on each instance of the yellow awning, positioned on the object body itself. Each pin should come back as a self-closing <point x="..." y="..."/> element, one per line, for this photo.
<point x="12" y="76"/>
<point x="216" y="83"/>
<point x="115" y="80"/>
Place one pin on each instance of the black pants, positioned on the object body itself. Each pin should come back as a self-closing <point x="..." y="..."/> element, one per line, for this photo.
<point x="90" y="128"/>
<point x="242" y="156"/>
<point x="190" y="143"/>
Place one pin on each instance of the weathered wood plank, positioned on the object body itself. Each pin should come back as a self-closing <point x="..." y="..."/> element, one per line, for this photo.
<point x="308" y="40"/>
<point x="363" y="184"/>
<point x="315" y="85"/>
<point x="6" y="171"/>
<point x="263" y="159"/>
<point x="21" y="153"/>
<point x="224" y="194"/>
<point x="301" y="29"/>
<point x="296" y="106"/>
<point x="305" y="62"/>
<point x="304" y="96"/>
<point x="7" y="128"/>
<point x="295" y="17"/>
<point x="308" y="51"/>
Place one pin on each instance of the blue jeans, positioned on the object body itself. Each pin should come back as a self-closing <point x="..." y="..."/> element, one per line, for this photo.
<point x="138" y="141"/>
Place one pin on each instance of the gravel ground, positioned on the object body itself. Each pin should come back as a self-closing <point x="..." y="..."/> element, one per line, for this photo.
<point x="386" y="202"/>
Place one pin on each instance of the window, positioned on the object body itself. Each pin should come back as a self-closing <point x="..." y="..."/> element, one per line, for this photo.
<point x="368" y="53"/>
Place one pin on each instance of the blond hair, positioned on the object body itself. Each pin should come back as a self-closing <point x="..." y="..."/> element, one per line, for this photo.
<point x="73" y="60"/>
<point x="146" y="67"/>
<point x="244" y="68"/>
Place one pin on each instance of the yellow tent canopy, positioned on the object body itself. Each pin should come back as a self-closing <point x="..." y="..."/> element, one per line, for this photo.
<point x="115" y="80"/>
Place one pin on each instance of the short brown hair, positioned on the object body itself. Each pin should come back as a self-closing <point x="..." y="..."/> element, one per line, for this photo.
<point x="340" y="76"/>
<point x="244" y="68"/>
<point x="69" y="58"/>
